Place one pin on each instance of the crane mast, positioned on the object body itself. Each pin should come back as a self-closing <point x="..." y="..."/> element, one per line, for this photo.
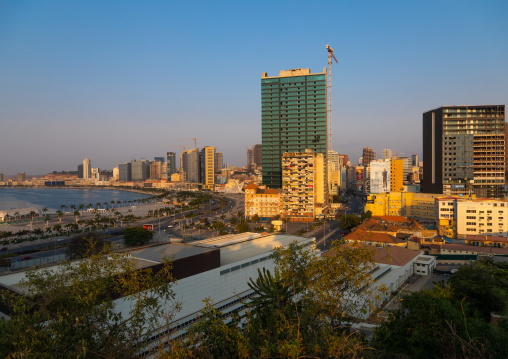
<point x="329" y="85"/>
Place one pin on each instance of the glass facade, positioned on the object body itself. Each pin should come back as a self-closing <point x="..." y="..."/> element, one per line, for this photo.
<point x="293" y="117"/>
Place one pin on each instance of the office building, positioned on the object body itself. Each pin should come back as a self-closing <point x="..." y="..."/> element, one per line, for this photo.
<point x="116" y="174"/>
<point x="333" y="161"/>
<point x="208" y="167"/>
<point x="156" y="169"/>
<point x="80" y="170"/>
<point x="258" y="155"/>
<point x="218" y="162"/>
<point x="303" y="186"/>
<point x="250" y="159"/>
<point x="125" y="171"/>
<point x="170" y="164"/>
<point x="294" y="118"/>
<point x="1" y="177"/>
<point x="21" y="178"/>
<point x="464" y="150"/>
<point x="191" y="165"/>
<point x="369" y="155"/>
<point x="414" y="160"/>
<point x="397" y="175"/>
<point x="387" y="154"/>
<point x="140" y="170"/>
<point x="87" y="169"/>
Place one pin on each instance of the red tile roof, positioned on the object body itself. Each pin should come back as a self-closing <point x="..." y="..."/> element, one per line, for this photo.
<point x="367" y="236"/>
<point x="394" y="255"/>
<point x="472" y="237"/>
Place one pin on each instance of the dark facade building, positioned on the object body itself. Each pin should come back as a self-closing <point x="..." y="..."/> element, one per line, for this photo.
<point x="124" y="171"/>
<point x="170" y="164"/>
<point x="369" y="155"/>
<point x="80" y="170"/>
<point x="464" y="150"/>
<point x="258" y="155"/>
<point x="294" y="118"/>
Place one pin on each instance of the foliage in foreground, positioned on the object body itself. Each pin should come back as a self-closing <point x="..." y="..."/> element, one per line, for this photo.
<point x="299" y="311"/>
<point x="449" y="321"/>
<point x="70" y="311"/>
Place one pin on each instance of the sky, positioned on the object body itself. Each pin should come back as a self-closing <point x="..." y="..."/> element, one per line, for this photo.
<point x="116" y="80"/>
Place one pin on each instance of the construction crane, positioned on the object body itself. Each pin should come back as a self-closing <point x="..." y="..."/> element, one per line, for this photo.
<point x="195" y="140"/>
<point x="183" y="147"/>
<point x="330" y="55"/>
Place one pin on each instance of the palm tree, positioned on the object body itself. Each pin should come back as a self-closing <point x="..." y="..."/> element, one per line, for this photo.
<point x="44" y="210"/>
<point x="32" y="215"/>
<point x="62" y="207"/>
<point x="60" y="215"/>
<point x="119" y="203"/>
<point x="98" y="204"/>
<point x="76" y="214"/>
<point x="80" y="208"/>
<point x="16" y="214"/>
<point x="46" y="218"/>
<point x="112" y="204"/>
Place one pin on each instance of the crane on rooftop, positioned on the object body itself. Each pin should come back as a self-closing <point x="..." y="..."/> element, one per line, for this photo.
<point x="330" y="56"/>
<point x="194" y="138"/>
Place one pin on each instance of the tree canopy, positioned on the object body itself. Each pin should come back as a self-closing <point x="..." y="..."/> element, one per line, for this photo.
<point x="70" y="311"/>
<point x="137" y="235"/>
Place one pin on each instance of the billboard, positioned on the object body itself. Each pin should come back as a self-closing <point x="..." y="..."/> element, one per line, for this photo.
<point x="359" y="174"/>
<point x="379" y="176"/>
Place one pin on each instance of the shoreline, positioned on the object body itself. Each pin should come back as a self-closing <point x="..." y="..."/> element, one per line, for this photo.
<point x="149" y="194"/>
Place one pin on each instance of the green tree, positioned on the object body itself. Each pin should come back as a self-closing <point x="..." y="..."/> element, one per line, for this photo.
<point x="137" y="235"/>
<point x="71" y="312"/>
<point x="242" y="227"/>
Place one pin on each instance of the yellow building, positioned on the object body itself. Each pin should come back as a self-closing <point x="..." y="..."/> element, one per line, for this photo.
<point x="261" y="202"/>
<point x="396" y="175"/>
<point x="408" y="204"/>
<point x="208" y="167"/>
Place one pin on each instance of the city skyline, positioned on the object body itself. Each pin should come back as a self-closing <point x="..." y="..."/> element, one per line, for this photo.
<point x="116" y="81"/>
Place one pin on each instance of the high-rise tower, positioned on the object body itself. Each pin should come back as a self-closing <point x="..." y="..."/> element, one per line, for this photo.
<point x="463" y="150"/>
<point x="87" y="169"/>
<point x="293" y="116"/>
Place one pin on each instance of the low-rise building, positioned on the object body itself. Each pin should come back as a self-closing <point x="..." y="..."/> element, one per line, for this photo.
<point x="261" y="202"/>
<point x="458" y="217"/>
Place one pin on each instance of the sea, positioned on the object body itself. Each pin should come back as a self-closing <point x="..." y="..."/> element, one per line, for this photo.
<point x="54" y="198"/>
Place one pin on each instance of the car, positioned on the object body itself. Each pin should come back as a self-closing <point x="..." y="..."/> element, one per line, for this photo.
<point x="170" y="226"/>
<point x="3" y="249"/>
<point x="26" y="258"/>
<point x="60" y="239"/>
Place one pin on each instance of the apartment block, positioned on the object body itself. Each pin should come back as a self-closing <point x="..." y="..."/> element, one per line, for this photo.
<point x="464" y="150"/>
<point x="397" y="175"/>
<point x="303" y="186"/>
<point x="459" y="217"/>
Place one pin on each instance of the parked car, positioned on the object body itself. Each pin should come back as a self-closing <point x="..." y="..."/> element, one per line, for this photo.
<point x="59" y="239"/>
<point x="26" y="258"/>
<point x="3" y="249"/>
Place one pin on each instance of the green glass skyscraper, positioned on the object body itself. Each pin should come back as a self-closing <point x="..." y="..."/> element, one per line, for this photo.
<point x="293" y="116"/>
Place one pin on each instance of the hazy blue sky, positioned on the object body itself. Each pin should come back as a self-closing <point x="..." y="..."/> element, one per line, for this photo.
<point x="113" y="80"/>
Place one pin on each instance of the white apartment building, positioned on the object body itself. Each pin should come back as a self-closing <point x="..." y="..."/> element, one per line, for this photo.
<point x="457" y="217"/>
